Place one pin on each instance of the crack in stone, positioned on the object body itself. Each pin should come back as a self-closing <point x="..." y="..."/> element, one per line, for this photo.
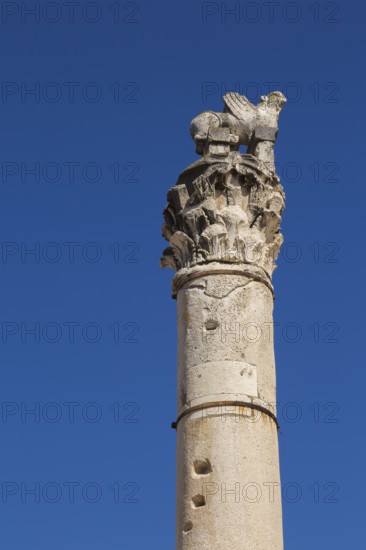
<point x="230" y="291"/>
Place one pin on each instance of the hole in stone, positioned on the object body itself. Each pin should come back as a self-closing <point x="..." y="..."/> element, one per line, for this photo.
<point x="211" y="324"/>
<point x="202" y="467"/>
<point x="188" y="526"/>
<point x="199" y="501"/>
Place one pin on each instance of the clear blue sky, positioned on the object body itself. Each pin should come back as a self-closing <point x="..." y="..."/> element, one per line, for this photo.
<point x="106" y="133"/>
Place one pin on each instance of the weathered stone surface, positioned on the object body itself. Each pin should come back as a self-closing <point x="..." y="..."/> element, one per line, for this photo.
<point x="230" y="212"/>
<point x="225" y="355"/>
<point x="243" y="122"/>
<point x="222" y="222"/>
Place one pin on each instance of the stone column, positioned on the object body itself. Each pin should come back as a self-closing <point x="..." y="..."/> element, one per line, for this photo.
<point x="222" y="223"/>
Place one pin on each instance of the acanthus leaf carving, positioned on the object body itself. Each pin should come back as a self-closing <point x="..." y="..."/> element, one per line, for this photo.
<point x="227" y="206"/>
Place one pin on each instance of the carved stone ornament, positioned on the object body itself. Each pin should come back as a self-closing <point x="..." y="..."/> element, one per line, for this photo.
<point x="226" y="207"/>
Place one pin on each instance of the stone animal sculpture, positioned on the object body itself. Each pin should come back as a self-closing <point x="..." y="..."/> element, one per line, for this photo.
<point x="255" y="126"/>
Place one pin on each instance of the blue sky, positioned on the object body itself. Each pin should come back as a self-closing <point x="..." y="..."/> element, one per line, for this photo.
<point x="95" y="106"/>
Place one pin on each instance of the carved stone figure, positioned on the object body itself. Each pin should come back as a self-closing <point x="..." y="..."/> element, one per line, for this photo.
<point x="226" y="207"/>
<point x="241" y="123"/>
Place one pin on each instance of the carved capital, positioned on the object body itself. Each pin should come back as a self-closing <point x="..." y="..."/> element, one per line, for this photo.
<point x="228" y="211"/>
<point x="226" y="207"/>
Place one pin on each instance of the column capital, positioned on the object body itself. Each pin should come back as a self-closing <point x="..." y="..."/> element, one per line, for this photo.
<point x="226" y="211"/>
<point x="226" y="207"/>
